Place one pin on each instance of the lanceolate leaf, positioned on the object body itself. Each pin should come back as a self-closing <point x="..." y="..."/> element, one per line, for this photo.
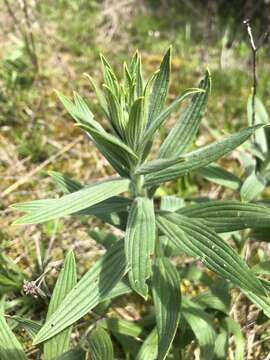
<point x="66" y="281"/>
<point x="30" y="326"/>
<point x="88" y="293"/>
<point x="76" y="354"/>
<point x="199" y="241"/>
<point x="159" y="120"/>
<point x="156" y="165"/>
<point x="123" y="327"/>
<point x="202" y="325"/>
<point x="76" y="201"/>
<point x="149" y="349"/>
<point x="220" y="176"/>
<point x="201" y="158"/>
<point x="140" y="243"/>
<point x="10" y="348"/>
<point x="253" y="185"/>
<point x="182" y="134"/>
<point x="100" y="345"/>
<point x="66" y="183"/>
<point x="262" y="302"/>
<point x="239" y="340"/>
<point x="136" y="124"/>
<point x="167" y="303"/>
<point x="227" y="216"/>
<point x="79" y="110"/>
<point x="160" y="87"/>
<point x="119" y="155"/>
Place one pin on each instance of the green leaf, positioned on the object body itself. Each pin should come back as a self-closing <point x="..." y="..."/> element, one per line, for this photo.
<point x="227" y="216"/>
<point x="182" y="134"/>
<point x="239" y="340"/>
<point x="167" y="303"/>
<point x="100" y="95"/>
<point x="156" y="165"/>
<point x="149" y="349"/>
<point x="160" y="87"/>
<point x="202" y="325"/>
<point x="199" y="241"/>
<point x="164" y="114"/>
<point x="32" y="327"/>
<point x="76" y="354"/>
<point x="66" y="281"/>
<point x="119" y="155"/>
<point x="262" y="135"/>
<point x="115" y="112"/>
<point x="262" y="302"/>
<point x="100" y="345"/>
<point x="136" y="124"/>
<point x="221" y="346"/>
<point x="88" y="293"/>
<point x="123" y="327"/>
<point x="65" y="183"/>
<point x="10" y="348"/>
<point x="171" y="203"/>
<point x="253" y="185"/>
<point x="79" y="110"/>
<point x="262" y="268"/>
<point x="140" y="243"/>
<point x="76" y="201"/>
<point x="201" y="158"/>
<point x="121" y="288"/>
<point x="220" y="176"/>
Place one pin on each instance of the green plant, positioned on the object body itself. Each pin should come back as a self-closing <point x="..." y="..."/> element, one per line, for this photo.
<point x="141" y="261"/>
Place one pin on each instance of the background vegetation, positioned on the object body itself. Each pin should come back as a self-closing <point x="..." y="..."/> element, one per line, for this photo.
<point x="47" y="45"/>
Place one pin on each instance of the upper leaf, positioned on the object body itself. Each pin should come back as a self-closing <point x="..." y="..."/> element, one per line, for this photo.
<point x="160" y="87"/>
<point x="202" y="157"/>
<point x="182" y="134"/>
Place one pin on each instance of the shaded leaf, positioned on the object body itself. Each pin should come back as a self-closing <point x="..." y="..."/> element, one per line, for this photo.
<point x="100" y="345"/>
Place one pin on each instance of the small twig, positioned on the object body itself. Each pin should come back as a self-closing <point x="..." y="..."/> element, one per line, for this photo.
<point x="254" y="69"/>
